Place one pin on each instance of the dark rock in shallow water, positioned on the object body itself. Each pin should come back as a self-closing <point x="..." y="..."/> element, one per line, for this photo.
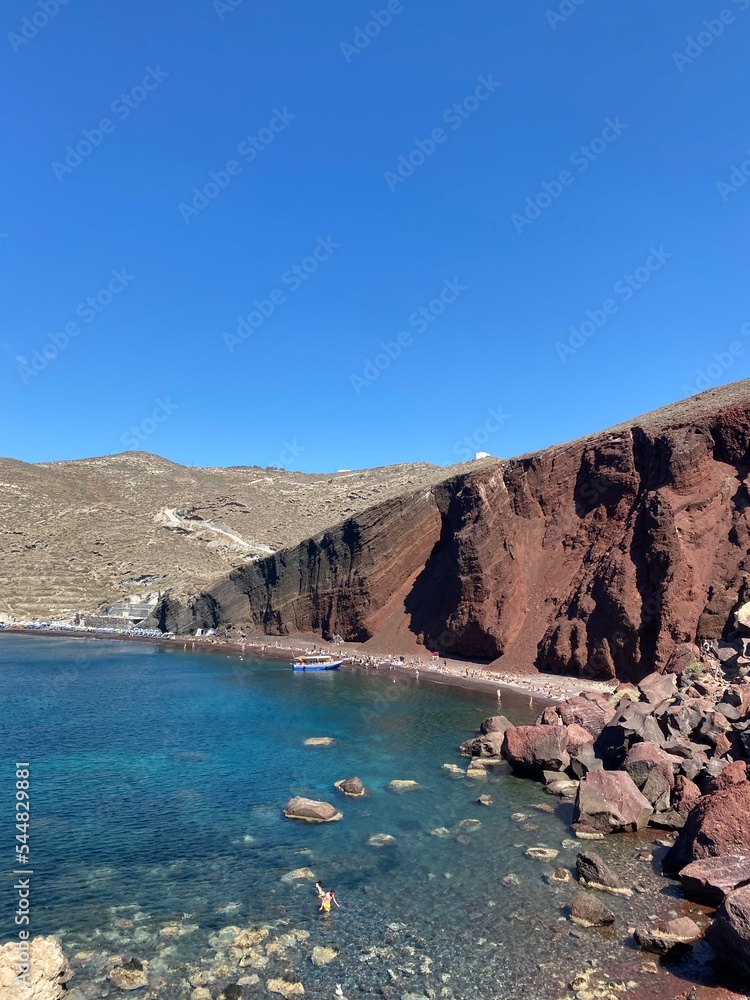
<point x="594" y="871"/>
<point x="711" y="879"/>
<point x="588" y="911"/>
<point x="669" y="936"/>
<point x="311" y="811"/>
<point x="351" y="786"/>
<point x="729" y="934"/>
<point x="488" y="745"/>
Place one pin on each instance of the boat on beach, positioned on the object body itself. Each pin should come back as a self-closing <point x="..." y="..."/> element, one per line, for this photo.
<point x="316" y="662"/>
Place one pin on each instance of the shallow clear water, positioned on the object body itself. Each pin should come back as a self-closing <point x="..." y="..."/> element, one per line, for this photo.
<point x="158" y="783"/>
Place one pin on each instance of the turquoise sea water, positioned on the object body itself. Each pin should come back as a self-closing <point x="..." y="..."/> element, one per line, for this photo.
<point x="158" y="779"/>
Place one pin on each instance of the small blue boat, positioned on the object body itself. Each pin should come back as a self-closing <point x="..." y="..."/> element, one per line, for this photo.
<point x="316" y="662"/>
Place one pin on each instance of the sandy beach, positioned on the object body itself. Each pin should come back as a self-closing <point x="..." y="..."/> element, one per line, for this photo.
<point x="438" y="670"/>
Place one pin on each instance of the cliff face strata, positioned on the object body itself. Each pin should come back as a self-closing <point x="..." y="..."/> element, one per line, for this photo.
<point x="595" y="557"/>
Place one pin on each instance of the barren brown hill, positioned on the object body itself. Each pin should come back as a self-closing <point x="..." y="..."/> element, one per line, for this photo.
<point x="78" y="536"/>
<point x="591" y="557"/>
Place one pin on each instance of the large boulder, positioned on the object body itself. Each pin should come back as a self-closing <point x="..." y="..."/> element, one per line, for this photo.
<point x="711" y="879"/>
<point x="592" y="714"/>
<point x="729" y="934"/>
<point x="311" y="811"/>
<point x="487" y="745"/>
<point x="652" y="771"/>
<point x="530" y="750"/>
<point x="668" y="936"/>
<point x="717" y="825"/>
<point x="658" y="688"/>
<point x="588" y="911"/>
<point x="47" y="974"/>
<point x="609" y="802"/>
<point x="594" y="872"/>
<point x="495" y="724"/>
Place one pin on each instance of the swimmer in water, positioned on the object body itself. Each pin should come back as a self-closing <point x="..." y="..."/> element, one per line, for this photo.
<point x="319" y="890"/>
<point x="328" y="898"/>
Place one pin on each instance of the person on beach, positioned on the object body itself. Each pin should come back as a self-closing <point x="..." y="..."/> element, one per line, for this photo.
<point x="325" y="903"/>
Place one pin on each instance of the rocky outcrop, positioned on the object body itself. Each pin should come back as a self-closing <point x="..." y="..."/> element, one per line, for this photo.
<point x="708" y="881"/>
<point x="716" y="826"/>
<point x="531" y="750"/>
<point x="46" y="976"/>
<point x="593" y="558"/>
<point x="609" y="802"/>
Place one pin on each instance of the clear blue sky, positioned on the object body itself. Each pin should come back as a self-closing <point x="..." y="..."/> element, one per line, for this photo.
<point x="304" y="129"/>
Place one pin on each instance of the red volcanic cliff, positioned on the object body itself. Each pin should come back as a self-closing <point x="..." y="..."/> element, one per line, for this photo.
<point x="595" y="557"/>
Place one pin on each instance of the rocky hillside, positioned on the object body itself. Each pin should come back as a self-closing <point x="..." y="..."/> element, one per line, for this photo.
<point x="594" y="557"/>
<point x="77" y="536"/>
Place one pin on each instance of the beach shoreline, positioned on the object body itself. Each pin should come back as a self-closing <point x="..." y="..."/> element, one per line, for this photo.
<point x="442" y="671"/>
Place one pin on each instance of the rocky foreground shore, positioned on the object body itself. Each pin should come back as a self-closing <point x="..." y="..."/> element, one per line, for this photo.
<point x="671" y="753"/>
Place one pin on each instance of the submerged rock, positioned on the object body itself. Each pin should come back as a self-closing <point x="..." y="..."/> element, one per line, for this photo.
<point x="311" y="811"/>
<point x="541" y="853"/>
<point x="380" y="839"/>
<point x="285" y="988"/>
<point x="403" y="785"/>
<point x="323" y="956"/>
<point x="130" y="975"/>
<point x="319" y="741"/>
<point x="454" y="770"/>
<point x="299" y="875"/>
